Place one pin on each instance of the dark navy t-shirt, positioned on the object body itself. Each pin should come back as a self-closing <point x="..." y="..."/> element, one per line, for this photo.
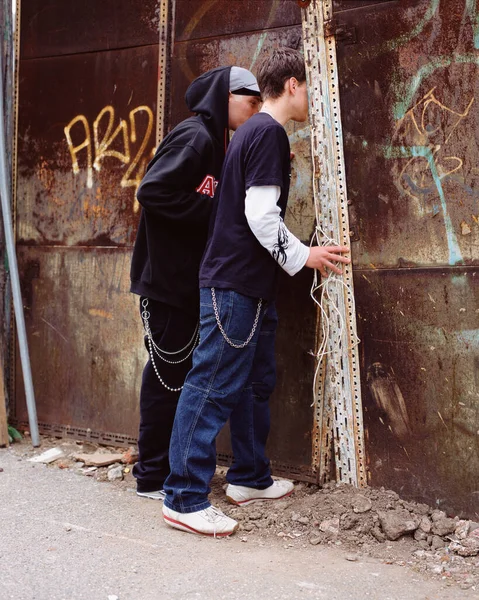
<point x="258" y="155"/>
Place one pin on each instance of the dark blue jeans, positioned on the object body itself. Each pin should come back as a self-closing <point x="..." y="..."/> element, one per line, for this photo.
<point x="224" y="383"/>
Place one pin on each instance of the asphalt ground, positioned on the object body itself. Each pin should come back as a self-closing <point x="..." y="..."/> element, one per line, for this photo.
<point x="64" y="536"/>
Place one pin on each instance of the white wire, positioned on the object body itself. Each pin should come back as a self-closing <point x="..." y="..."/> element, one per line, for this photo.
<point x="326" y="304"/>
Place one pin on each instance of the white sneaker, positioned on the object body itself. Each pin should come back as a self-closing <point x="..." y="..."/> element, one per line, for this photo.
<point x="157" y="495"/>
<point x="210" y="521"/>
<point x="242" y="496"/>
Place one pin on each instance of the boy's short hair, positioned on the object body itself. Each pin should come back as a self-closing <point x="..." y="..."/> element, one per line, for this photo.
<point x="277" y="68"/>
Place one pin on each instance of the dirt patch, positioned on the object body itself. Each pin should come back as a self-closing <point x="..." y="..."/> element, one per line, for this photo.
<point x="363" y="522"/>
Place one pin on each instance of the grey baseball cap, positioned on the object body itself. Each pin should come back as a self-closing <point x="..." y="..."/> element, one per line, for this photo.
<point x="243" y="82"/>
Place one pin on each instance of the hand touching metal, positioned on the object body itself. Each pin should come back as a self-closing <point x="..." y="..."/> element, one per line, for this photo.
<point x="323" y="257"/>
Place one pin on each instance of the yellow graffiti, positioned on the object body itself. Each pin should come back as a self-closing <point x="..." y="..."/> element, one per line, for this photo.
<point x="101" y="147"/>
<point x="138" y="160"/>
<point x="74" y="150"/>
<point x="103" y="144"/>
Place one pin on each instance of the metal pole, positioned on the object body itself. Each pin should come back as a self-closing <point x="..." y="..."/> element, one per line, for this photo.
<point x="12" y="261"/>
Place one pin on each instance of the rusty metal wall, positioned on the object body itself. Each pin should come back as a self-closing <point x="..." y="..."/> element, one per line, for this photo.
<point x="408" y="92"/>
<point x="87" y="103"/>
<point x="81" y="96"/>
<point x="409" y="89"/>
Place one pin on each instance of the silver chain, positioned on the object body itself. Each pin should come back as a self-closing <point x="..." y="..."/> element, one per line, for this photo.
<point x="153" y="348"/>
<point x="223" y="332"/>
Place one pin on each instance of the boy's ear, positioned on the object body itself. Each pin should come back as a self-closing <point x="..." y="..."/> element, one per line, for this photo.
<point x="291" y="85"/>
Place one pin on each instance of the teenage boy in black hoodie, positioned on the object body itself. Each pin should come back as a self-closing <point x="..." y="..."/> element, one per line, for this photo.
<point x="176" y="195"/>
<point x="248" y="243"/>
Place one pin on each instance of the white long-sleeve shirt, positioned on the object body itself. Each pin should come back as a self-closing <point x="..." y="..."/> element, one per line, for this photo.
<point x="264" y="219"/>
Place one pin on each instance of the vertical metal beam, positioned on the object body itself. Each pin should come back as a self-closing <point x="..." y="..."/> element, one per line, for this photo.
<point x="338" y="405"/>
<point x="5" y="193"/>
<point x="7" y="52"/>
<point x="165" y="33"/>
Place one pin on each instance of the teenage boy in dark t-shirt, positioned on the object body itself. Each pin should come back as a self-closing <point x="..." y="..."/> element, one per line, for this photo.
<point x="233" y="371"/>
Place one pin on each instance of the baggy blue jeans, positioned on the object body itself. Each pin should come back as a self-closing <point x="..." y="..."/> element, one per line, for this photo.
<point x="224" y="383"/>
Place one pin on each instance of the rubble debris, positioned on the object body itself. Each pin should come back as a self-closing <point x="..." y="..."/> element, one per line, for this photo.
<point x="425" y="525"/>
<point x="89" y="471"/>
<point x="444" y="526"/>
<point x="396" y="523"/>
<point x="115" y="473"/>
<point x="468" y="546"/>
<point x="352" y="557"/>
<point x="361" y="504"/>
<point x="130" y="457"/>
<point x="48" y="456"/>
<point x="330" y="526"/>
<point x="98" y="459"/>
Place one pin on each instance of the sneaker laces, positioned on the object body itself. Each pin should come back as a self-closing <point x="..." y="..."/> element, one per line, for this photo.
<point x="213" y="515"/>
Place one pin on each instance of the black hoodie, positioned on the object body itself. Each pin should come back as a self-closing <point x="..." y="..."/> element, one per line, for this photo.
<point x="176" y="197"/>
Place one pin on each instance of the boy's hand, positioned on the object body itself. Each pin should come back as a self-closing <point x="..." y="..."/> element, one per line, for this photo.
<point x="321" y="257"/>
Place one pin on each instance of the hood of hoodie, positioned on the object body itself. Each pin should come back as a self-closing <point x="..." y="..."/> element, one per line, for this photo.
<point x="208" y="96"/>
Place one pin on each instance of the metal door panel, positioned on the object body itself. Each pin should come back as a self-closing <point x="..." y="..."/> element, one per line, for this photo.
<point x="410" y="143"/>
<point x="86" y="133"/>
<point x="420" y="377"/>
<point x="408" y="102"/>
<point x="195" y="19"/>
<point x="57" y="27"/>
<point x="85" y="339"/>
<point x="342" y="5"/>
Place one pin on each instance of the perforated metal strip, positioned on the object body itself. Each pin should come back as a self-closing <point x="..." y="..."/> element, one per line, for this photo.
<point x="338" y="409"/>
<point x="164" y="36"/>
<point x="16" y="59"/>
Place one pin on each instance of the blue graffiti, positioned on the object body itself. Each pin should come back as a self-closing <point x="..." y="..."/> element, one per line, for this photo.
<point x="455" y="255"/>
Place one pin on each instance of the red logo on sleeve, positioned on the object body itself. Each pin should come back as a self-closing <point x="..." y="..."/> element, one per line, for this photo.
<point x="208" y="186"/>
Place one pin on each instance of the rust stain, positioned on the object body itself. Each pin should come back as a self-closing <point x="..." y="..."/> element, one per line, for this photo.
<point x="98" y="312"/>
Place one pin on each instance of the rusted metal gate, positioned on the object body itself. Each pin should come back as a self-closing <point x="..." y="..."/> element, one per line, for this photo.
<point x="408" y="78"/>
<point x="87" y="103"/>
<point x="409" y="86"/>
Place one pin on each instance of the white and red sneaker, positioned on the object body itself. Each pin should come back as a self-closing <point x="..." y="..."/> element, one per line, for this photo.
<point x="209" y="521"/>
<point x="242" y="496"/>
